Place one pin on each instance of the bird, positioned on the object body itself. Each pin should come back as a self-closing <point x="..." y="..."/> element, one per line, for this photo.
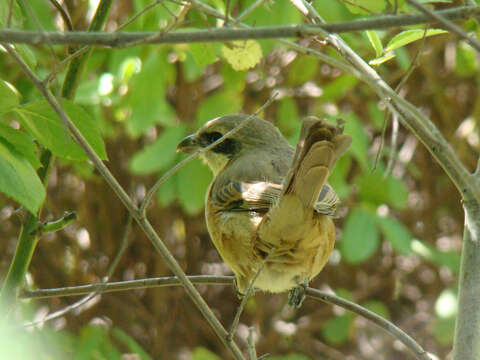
<point x="269" y="207"/>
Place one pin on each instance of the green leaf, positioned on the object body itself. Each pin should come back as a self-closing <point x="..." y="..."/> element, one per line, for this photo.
<point x="339" y="87"/>
<point x="396" y="233"/>
<point x="354" y="127"/>
<point x="132" y="345"/>
<point x="242" y="54"/>
<point x="160" y="154"/>
<point x="289" y="357"/>
<point x="22" y="142"/>
<point x="443" y="330"/>
<point x="360" y="238"/>
<point x="167" y="192"/>
<point x="365" y="6"/>
<point x="381" y="59"/>
<point x="336" y="330"/>
<point x="409" y="36"/>
<point x="90" y="340"/>
<point x="219" y="104"/>
<point x="43" y="123"/>
<point x="200" y="353"/>
<point x="465" y="60"/>
<point x="203" y="53"/>
<point x="147" y="95"/>
<point x="378" y="308"/>
<point x="9" y="96"/>
<point x="375" y="189"/>
<point x="375" y="42"/>
<point x="19" y="179"/>
<point x="303" y="69"/>
<point x="193" y="181"/>
<point x="338" y="177"/>
<point x="287" y="116"/>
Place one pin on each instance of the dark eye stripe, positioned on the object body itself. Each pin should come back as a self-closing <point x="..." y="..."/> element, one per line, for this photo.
<point x="228" y="147"/>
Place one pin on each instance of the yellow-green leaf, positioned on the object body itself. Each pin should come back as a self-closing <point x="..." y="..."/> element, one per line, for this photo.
<point x="375" y="42"/>
<point x="242" y="55"/>
<point x="409" y="36"/>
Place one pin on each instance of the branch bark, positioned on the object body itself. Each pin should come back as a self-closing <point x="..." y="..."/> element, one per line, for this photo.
<point x="129" y="204"/>
<point x="122" y="39"/>
<point x="228" y="280"/>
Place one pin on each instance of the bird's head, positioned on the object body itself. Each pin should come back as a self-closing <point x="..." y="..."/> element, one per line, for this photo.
<point x="256" y="135"/>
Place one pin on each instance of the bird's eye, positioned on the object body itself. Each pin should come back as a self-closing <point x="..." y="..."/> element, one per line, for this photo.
<point x="213" y="136"/>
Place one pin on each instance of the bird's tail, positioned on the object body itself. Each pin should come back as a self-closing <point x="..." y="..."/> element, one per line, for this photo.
<point x="319" y="147"/>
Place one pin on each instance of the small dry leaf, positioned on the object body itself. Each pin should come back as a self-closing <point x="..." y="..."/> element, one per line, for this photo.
<point x="242" y="55"/>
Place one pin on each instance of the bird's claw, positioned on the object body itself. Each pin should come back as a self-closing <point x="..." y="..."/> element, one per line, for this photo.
<point x="297" y="295"/>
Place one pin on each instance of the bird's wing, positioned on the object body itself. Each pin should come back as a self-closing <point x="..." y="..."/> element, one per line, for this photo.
<point x="260" y="196"/>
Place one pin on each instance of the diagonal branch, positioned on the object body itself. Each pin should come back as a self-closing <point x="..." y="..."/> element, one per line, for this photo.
<point x="129" y="204"/>
<point x="447" y="23"/>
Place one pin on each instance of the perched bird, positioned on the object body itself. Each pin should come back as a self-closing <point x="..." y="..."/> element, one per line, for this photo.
<point x="269" y="206"/>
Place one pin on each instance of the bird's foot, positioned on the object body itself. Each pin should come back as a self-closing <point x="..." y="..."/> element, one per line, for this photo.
<point x="297" y="295"/>
<point x="240" y="295"/>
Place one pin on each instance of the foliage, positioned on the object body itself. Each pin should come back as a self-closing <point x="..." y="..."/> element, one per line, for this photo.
<point x="397" y="252"/>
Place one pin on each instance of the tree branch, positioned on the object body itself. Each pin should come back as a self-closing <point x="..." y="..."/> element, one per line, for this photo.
<point x="447" y="23"/>
<point x="121" y="39"/>
<point x="129" y="204"/>
<point x="228" y="280"/>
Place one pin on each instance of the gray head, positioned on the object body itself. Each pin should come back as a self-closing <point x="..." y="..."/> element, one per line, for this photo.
<point x="254" y="136"/>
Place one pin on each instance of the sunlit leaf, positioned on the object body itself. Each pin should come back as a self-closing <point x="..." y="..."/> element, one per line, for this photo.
<point x="242" y="54"/>
<point x="360" y="238"/>
<point x="375" y="42"/>
<point x="409" y="36"/>
<point x="43" y="123"/>
<point x="9" y="96"/>
<point x="18" y="178"/>
<point x="381" y="59"/>
<point x="466" y="63"/>
<point x="147" y="93"/>
<point x="22" y="142"/>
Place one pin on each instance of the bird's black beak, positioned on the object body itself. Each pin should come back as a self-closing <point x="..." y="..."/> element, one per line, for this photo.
<point x="187" y="145"/>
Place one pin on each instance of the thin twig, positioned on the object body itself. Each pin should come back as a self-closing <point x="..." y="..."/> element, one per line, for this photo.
<point x="226" y="280"/>
<point x="248" y="11"/>
<point x="137" y="15"/>
<point x="252" y="352"/>
<point x="9" y="14"/>
<point x="393" y="146"/>
<point x="64" y="14"/>
<point x="129" y="204"/>
<point x="108" y="275"/>
<point x="246" y="296"/>
<point x="122" y="39"/>
<point x="58" y="67"/>
<point x="447" y="23"/>
<point x="159" y="35"/>
<point x="148" y="197"/>
<point x="386" y="325"/>
<point x="394" y="134"/>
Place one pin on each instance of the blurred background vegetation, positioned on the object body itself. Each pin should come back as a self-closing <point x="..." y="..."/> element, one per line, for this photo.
<point x="399" y="234"/>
